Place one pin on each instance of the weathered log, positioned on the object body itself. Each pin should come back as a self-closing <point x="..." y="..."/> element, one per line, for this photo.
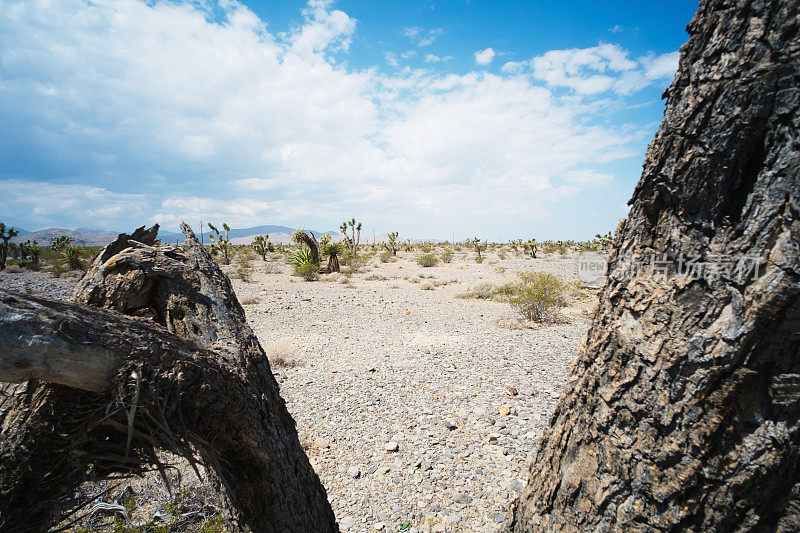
<point x="202" y="381"/>
<point x="681" y="413"/>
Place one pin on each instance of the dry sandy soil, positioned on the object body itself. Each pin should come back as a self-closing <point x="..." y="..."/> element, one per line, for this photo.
<point x="415" y="406"/>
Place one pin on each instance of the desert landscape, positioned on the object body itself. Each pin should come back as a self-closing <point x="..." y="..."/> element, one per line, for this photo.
<point x="518" y="327"/>
<point x="416" y="402"/>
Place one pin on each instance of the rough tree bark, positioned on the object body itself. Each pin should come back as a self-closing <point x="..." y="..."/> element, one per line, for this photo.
<point x="200" y="383"/>
<point x="681" y="413"/>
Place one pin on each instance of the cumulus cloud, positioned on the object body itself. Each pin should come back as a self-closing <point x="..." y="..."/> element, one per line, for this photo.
<point x="606" y="67"/>
<point x="124" y="110"/>
<point x="484" y="57"/>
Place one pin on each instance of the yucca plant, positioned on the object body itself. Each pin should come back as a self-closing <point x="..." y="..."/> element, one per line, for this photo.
<point x="332" y="250"/>
<point x="305" y="263"/>
<point x="308" y="240"/>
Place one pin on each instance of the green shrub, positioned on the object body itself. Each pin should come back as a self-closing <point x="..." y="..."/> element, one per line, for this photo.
<point x="385" y="256"/>
<point x="447" y="256"/>
<point x="427" y="260"/>
<point x="71" y="256"/>
<point x="535" y="295"/>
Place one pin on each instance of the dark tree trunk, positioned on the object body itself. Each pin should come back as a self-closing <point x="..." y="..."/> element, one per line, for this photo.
<point x="203" y="382"/>
<point x="682" y="410"/>
<point x="681" y="413"/>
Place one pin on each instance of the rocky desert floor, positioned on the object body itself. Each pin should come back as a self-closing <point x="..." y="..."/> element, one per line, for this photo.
<point x="419" y="410"/>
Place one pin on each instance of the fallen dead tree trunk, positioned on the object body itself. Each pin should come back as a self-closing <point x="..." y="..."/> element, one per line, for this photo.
<point x="198" y="384"/>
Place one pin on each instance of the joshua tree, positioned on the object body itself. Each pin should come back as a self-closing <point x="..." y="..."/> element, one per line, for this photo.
<point x="29" y="252"/>
<point x="530" y="247"/>
<point x="604" y="240"/>
<point x="476" y="242"/>
<point x="262" y="245"/>
<point x="5" y="236"/>
<point x="391" y="244"/>
<point x="408" y="245"/>
<point x="60" y="243"/>
<point x="332" y="250"/>
<point x="220" y="244"/>
<point x="354" y="239"/>
<point x="307" y="238"/>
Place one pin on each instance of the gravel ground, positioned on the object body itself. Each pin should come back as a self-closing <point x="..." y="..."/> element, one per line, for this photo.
<point x="415" y="407"/>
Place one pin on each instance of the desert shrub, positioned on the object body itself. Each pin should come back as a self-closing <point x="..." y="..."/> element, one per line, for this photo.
<point x="385" y="256"/>
<point x="501" y="254"/>
<point x="482" y="291"/>
<point x="427" y="259"/>
<point x="71" y="256"/>
<point x="243" y="269"/>
<point x="307" y="271"/>
<point x="346" y="271"/>
<point x="535" y="295"/>
<point x="447" y="256"/>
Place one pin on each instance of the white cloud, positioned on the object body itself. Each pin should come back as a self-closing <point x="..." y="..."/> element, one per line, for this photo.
<point x="421" y="37"/>
<point x="661" y="66"/>
<point x="484" y="57"/>
<point x="432" y="58"/>
<point x="588" y="178"/>
<point x="168" y="115"/>
<point x="606" y="67"/>
<point x="56" y="204"/>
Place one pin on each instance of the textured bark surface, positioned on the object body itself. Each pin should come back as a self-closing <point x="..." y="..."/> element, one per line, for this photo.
<point x="203" y="383"/>
<point x="682" y="410"/>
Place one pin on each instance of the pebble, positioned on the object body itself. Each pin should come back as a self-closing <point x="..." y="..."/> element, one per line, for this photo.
<point x="435" y="407"/>
<point x="392" y="446"/>
<point x="354" y="472"/>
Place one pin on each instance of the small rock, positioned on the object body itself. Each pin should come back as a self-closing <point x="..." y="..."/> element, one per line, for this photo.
<point x="504" y="410"/>
<point x="354" y="472"/>
<point x="454" y="518"/>
<point x="379" y="526"/>
<point x="392" y="446"/>
<point x="498" y="518"/>
<point x="347" y="522"/>
<point x="450" y="425"/>
<point x="462" y="498"/>
<point x="512" y="391"/>
<point x="493" y="437"/>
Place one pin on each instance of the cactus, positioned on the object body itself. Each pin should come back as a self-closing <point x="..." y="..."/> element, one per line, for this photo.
<point x="5" y="236"/>
<point x="220" y="244"/>
<point x="391" y="244"/>
<point x="262" y="245"/>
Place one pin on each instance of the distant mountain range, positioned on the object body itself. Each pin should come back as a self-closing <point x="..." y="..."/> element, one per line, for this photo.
<point x="100" y="237"/>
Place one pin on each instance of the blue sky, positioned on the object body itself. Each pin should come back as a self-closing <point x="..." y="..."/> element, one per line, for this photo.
<point x="495" y="119"/>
